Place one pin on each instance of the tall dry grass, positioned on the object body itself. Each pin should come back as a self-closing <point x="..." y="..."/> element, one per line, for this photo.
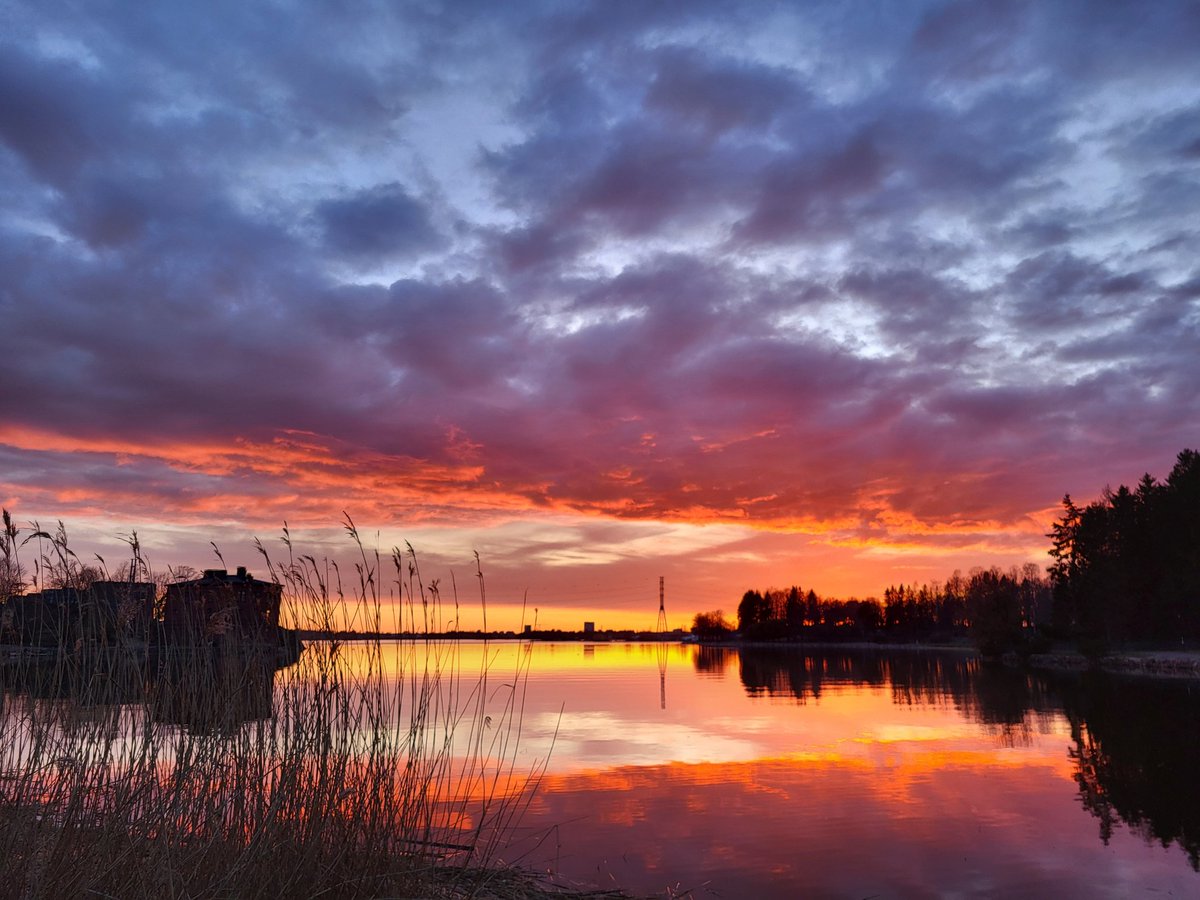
<point x="388" y="771"/>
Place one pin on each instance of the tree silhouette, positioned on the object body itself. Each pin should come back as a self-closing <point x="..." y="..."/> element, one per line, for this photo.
<point x="711" y="625"/>
<point x="1127" y="567"/>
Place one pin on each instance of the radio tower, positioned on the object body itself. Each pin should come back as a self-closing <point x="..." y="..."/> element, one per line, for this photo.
<point x="661" y="649"/>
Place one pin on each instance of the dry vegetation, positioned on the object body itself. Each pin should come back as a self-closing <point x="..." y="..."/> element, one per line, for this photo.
<point x="219" y="777"/>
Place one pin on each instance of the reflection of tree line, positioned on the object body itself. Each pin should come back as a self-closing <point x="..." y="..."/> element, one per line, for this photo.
<point x="1137" y="756"/>
<point x="994" y="696"/>
<point x="1136" y="742"/>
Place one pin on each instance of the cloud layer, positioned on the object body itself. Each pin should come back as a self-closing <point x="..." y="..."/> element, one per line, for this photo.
<point x="898" y="278"/>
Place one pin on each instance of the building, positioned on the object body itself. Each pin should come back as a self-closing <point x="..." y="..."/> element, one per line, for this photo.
<point x="41" y="619"/>
<point x="589" y="627"/>
<point x="221" y="605"/>
<point x="103" y="612"/>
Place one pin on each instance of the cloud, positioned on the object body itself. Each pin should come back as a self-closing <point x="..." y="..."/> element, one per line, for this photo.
<point x="866" y="279"/>
<point x="717" y="95"/>
<point x="379" y="222"/>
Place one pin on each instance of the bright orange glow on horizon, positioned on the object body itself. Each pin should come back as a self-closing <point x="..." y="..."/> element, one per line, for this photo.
<point x="455" y="506"/>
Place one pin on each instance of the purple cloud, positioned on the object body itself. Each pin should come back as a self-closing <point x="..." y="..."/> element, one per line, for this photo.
<point x="774" y="265"/>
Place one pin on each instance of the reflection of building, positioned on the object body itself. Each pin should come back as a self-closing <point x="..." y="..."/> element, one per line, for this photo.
<point x="210" y="692"/>
<point x="223" y="605"/>
<point x="104" y="612"/>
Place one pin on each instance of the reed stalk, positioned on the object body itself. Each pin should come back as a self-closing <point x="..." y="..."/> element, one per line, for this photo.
<point x="357" y="771"/>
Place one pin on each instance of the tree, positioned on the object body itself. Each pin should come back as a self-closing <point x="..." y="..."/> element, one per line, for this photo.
<point x="994" y="606"/>
<point x="751" y="611"/>
<point x="868" y="615"/>
<point x="812" y="608"/>
<point x="794" y="612"/>
<point x="1178" y="530"/>
<point x="711" y="625"/>
<point x="1035" y="596"/>
<point x="1064" y="536"/>
<point x="1127" y="567"/>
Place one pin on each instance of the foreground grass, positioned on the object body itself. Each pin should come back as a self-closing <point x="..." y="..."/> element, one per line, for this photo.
<point x="218" y="776"/>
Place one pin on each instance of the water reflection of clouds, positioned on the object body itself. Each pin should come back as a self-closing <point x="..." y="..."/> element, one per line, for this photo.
<point x="925" y="755"/>
<point x="889" y="733"/>
<point x="595" y="740"/>
<point x="598" y="740"/>
<point x="617" y="727"/>
<point x="932" y="824"/>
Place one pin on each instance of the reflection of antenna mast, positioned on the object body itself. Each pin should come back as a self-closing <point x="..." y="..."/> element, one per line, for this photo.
<point x="661" y="628"/>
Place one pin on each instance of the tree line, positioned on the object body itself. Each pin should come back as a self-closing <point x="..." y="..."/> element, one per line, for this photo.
<point x="1125" y="568"/>
<point x="989" y="602"/>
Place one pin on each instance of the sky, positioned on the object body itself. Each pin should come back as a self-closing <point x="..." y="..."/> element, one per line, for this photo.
<point x="734" y="294"/>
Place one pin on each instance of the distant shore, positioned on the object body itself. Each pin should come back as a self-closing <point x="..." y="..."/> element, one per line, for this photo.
<point x="587" y="637"/>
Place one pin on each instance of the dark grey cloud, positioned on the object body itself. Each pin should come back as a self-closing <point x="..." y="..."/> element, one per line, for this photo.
<point x="382" y="221"/>
<point x="715" y="95"/>
<point x="812" y="199"/>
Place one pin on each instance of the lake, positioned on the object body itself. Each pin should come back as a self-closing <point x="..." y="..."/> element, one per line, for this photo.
<point x="780" y="773"/>
<point x="661" y="769"/>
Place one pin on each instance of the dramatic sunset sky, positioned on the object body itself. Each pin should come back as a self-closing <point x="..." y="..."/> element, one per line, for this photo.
<point x="740" y="294"/>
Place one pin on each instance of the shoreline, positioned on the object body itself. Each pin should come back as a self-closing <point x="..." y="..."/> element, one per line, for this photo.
<point x="1173" y="664"/>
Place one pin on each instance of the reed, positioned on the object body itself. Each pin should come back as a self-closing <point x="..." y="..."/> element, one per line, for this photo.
<point x="354" y="772"/>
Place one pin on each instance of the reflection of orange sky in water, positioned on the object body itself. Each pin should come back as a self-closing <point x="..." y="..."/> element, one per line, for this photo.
<point x="599" y="707"/>
<point x="930" y="825"/>
<point x="860" y="791"/>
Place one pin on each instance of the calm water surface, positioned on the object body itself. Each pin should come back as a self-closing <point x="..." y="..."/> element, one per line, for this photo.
<point x="667" y="769"/>
<point x="778" y="773"/>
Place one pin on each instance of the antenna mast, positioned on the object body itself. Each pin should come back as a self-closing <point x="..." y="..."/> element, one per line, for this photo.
<point x="661" y="649"/>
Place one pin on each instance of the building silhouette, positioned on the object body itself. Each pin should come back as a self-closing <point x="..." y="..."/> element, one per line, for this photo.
<point x="220" y="606"/>
<point x="105" y="612"/>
